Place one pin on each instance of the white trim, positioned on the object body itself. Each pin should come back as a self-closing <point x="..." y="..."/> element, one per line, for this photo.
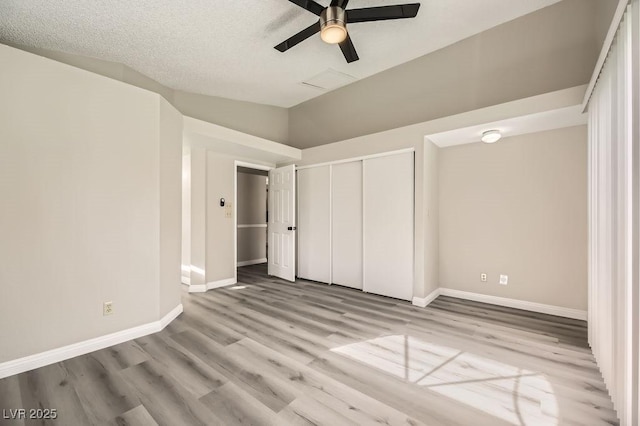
<point x="253" y="166"/>
<point x="185" y="280"/>
<point x="31" y="362"/>
<point x="361" y="158"/>
<point x="518" y="304"/>
<point x="330" y="224"/>
<point x="424" y="301"/>
<point x="235" y="219"/>
<point x="364" y="258"/>
<point x="201" y="288"/>
<point x="251" y="262"/>
<point x="604" y="52"/>
<point x="170" y="316"/>
<point x="197" y="288"/>
<point x="255" y="225"/>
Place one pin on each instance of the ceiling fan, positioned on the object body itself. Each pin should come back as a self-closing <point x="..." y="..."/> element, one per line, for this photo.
<point x="332" y="24"/>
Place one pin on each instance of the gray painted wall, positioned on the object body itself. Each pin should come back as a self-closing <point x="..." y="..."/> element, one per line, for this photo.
<point x="517" y="207"/>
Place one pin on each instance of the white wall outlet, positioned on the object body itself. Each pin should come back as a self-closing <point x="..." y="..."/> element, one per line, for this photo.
<point x="483" y="278"/>
<point x="228" y="210"/>
<point x="504" y="279"/>
<point x="107" y="308"/>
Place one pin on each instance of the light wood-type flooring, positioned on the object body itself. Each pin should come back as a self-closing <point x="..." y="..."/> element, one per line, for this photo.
<point x="272" y="352"/>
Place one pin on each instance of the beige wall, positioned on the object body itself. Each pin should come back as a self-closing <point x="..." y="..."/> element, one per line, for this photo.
<point x="517" y="207"/>
<point x="212" y="233"/>
<point x="252" y="199"/>
<point x="186" y="218"/>
<point x="170" y="185"/>
<point x="220" y="259"/>
<point x="87" y="170"/>
<point x="198" y="216"/>
<point x="551" y="49"/>
<point x="252" y="208"/>
<point x="431" y="217"/>
<point x="252" y="244"/>
<point x="266" y="121"/>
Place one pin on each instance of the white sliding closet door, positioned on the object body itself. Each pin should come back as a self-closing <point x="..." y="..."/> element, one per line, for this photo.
<point x="346" y="203"/>
<point x="314" y="233"/>
<point x="388" y="225"/>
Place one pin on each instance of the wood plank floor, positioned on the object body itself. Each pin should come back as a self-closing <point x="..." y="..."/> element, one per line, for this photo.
<point x="271" y="352"/>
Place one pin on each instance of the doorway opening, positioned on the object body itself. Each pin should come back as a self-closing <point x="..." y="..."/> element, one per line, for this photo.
<point x="251" y="214"/>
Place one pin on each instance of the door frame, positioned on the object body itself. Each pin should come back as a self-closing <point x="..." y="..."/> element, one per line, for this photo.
<point x="236" y="164"/>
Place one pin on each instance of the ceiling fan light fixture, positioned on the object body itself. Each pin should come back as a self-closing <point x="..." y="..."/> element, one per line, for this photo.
<point x="491" y="136"/>
<point x="333" y="29"/>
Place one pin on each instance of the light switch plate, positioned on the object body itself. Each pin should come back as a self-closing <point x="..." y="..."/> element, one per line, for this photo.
<point x="504" y="279"/>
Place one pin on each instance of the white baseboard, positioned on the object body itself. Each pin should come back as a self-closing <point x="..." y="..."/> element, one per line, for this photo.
<point x="251" y="262"/>
<point x="201" y="288"/>
<point x="31" y="362"/>
<point x="185" y="280"/>
<point x="424" y="301"/>
<point x="221" y="283"/>
<point x="170" y="316"/>
<point x="518" y="304"/>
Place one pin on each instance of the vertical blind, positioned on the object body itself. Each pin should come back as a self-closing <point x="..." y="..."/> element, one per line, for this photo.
<point x="610" y="221"/>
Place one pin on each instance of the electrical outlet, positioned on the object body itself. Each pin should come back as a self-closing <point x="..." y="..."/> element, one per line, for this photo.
<point x="228" y="210"/>
<point x="504" y="279"/>
<point x="483" y="278"/>
<point x="107" y="308"/>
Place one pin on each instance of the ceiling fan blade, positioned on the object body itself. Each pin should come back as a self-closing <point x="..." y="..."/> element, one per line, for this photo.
<point x="348" y="50"/>
<point x="381" y="13"/>
<point x="301" y="36"/>
<point x="339" y="3"/>
<point x="309" y="5"/>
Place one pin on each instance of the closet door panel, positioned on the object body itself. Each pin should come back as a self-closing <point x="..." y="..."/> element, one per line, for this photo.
<point x="313" y="226"/>
<point x="388" y="225"/>
<point x="346" y="203"/>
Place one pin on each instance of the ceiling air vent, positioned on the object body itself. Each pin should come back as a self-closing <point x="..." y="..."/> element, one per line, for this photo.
<point x="329" y="80"/>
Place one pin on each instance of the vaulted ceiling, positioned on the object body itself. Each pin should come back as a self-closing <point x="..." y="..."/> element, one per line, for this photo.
<point x="225" y="47"/>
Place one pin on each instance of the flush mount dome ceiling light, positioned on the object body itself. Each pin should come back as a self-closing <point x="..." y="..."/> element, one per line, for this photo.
<point x="332" y="24"/>
<point x="491" y="136"/>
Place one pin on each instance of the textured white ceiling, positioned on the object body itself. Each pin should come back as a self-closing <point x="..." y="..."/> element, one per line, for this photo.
<point x="225" y="47"/>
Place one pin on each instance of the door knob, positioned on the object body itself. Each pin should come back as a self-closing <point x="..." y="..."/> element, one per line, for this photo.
<point x="291" y="228"/>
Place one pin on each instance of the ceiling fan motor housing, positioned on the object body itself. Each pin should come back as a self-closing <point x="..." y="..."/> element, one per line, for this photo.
<point x="333" y="18"/>
<point x="332" y="24"/>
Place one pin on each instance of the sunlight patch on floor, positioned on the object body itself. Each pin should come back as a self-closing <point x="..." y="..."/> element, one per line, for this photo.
<point x="518" y="396"/>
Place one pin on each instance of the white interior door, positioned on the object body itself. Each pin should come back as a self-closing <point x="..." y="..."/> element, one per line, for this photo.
<point x="282" y="223"/>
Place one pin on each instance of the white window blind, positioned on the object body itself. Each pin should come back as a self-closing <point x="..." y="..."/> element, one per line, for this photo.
<point x="611" y="228"/>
